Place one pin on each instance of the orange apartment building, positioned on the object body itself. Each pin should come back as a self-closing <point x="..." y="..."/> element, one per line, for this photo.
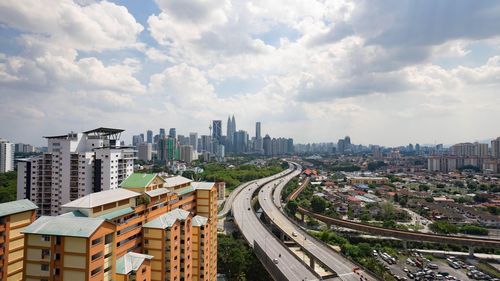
<point x="14" y="217"/>
<point x="141" y="231"/>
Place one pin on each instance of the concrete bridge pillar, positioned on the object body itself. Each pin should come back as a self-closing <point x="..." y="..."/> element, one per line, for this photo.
<point x="282" y="236"/>
<point x="471" y="251"/>
<point x="405" y="244"/>
<point x="311" y="261"/>
<point x="301" y="217"/>
<point x="328" y="225"/>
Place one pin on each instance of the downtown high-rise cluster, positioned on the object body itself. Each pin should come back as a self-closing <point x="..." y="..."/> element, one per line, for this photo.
<point x="215" y="145"/>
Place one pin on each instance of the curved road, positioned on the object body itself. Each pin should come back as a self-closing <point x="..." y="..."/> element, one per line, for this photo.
<point x="254" y="231"/>
<point x="230" y="199"/>
<point x="269" y="203"/>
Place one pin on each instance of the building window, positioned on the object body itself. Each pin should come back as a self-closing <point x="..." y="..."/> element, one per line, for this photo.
<point x="45" y="238"/>
<point x="45" y="253"/>
<point x="96" y="241"/>
<point x="44" y="267"/>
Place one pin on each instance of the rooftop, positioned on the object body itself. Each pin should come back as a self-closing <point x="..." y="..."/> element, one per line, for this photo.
<point x="64" y="226"/>
<point x="130" y="262"/>
<point x="15" y="207"/>
<point x="199" y="220"/>
<point x="100" y="198"/>
<point x="202" y="185"/>
<point x="168" y="219"/>
<point x="176" y="181"/>
<point x="137" y="180"/>
<point x="104" y="131"/>
<point x="157" y="192"/>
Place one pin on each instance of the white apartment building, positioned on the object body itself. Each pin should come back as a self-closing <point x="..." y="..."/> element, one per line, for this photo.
<point x="75" y="165"/>
<point x="6" y="156"/>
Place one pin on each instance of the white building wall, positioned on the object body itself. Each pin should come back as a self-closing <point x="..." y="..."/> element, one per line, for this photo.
<point x="6" y="156"/>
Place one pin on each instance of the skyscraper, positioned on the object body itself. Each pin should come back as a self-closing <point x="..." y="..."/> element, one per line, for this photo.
<point x="162" y="133"/>
<point x="144" y="151"/>
<point x="172" y="133"/>
<point x="267" y="145"/>
<point x="257" y="130"/>
<point x="495" y="148"/>
<point x="193" y="140"/>
<point x="149" y="135"/>
<point x="258" y="145"/>
<point x="6" y="156"/>
<point x="217" y="130"/>
<point x="240" y="141"/>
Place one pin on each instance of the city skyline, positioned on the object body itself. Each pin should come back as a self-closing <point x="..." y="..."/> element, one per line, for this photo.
<point x="314" y="71"/>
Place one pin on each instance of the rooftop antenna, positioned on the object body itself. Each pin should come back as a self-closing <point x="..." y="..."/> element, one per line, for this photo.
<point x="210" y="127"/>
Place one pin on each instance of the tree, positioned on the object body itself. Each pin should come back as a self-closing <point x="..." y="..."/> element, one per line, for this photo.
<point x="318" y="204"/>
<point x="459" y="184"/>
<point x="292" y="207"/>
<point x="443" y="227"/>
<point x="474" y="230"/>
<point x="396" y="197"/>
<point x="481" y="198"/>
<point x="440" y="185"/>
<point x="8" y="186"/>
<point x="423" y="187"/>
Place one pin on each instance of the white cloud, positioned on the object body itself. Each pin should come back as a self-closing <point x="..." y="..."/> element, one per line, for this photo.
<point x="97" y="26"/>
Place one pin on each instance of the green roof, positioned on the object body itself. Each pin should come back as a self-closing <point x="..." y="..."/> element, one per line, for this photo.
<point x="64" y="226"/>
<point x="184" y="190"/>
<point x="168" y="219"/>
<point x="136" y="180"/>
<point x="117" y="213"/>
<point x="15" y="207"/>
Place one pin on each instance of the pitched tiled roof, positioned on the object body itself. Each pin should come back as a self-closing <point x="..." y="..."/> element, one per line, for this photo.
<point x="64" y="226"/>
<point x="15" y="207"/>
<point x="168" y="219"/>
<point x="101" y="198"/>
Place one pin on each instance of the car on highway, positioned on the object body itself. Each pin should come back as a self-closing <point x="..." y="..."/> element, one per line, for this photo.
<point x="294" y="234"/>
<point x="275" y="261"/>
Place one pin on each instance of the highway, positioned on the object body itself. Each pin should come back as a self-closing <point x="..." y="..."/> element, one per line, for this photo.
<point x="254" y="231"/>
<point x="230" y="199"/>
<point x="271" y="205"/>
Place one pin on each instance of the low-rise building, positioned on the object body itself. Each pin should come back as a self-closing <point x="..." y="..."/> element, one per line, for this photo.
<point x="149" y="229"/>
<point x="14" y="217"/>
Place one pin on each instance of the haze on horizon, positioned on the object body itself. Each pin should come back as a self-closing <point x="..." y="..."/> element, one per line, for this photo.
<point x="382" y="72"/>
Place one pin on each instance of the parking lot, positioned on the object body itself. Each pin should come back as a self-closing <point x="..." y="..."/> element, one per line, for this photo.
<point x="417" y="267"/>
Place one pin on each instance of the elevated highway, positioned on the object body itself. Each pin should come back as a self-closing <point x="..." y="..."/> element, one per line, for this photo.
<point x="270" y="202"/>
<point x="280" y="262"/>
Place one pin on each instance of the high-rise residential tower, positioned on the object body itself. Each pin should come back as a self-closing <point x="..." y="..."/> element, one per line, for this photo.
<point x="6" y="156"/>
<point x="75" y="165"/>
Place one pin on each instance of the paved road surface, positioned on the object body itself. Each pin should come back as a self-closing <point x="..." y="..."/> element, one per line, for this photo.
<point x="230" y="199"/>
<point x="253" y="230"/>
<point x="334" y="261"/>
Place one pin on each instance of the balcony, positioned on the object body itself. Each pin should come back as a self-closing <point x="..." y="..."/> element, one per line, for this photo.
<point x="2" y="227"/>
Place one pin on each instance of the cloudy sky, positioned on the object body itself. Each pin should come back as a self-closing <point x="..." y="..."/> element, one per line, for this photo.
<point x="381" y="71"/>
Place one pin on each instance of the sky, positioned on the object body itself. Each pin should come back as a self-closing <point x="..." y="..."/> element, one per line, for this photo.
<point x="387" y="72"/>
